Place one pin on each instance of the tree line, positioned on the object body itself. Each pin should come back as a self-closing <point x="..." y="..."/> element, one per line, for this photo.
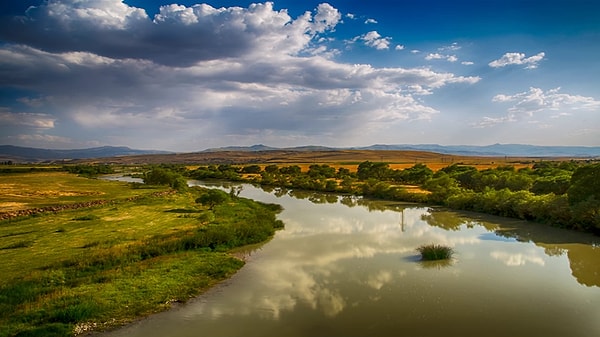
<point x="564" y="194"/>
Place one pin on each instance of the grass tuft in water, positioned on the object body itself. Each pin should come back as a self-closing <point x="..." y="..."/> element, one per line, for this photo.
<point x="433" y="252"/>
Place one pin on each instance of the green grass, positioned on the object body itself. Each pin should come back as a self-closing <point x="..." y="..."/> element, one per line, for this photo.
<point x="41" y="189"/>
<point x="433" y="252"/>
<point x="108" y="264"/>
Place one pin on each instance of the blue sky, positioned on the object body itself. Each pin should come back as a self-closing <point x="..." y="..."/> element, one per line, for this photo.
<point x="186" y="77"/>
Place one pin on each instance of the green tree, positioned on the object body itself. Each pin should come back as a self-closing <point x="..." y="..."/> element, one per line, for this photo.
<point x="212" y="198"/>
<point x="160" y="176"/>
<point x="584" y="197"/>
<point x="585" y="184"/>
<point x="368" y="169"/>
<point x="417" y="174"/>
<point x="251" y="169"/>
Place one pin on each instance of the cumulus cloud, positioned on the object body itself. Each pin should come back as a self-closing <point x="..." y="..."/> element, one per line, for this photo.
<point x="375" y="40"/>
<point x="176" y="36"/>
<point x="399" y="47"/>
<point x="369" y="21"/>
<point x="438" y="56"/>
<point x="195" y="71"/>
<point x="536" y="100"/>
<point x="518" y="59"/>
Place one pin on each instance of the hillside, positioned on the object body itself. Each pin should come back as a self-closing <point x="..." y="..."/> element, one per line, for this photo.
<point x="398" y="154"/>
<point x="29" y="154"/>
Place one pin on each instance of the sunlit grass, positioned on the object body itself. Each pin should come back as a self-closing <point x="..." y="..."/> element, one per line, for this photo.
<point x="117" y="261"/>
<point x="41" y="189"/>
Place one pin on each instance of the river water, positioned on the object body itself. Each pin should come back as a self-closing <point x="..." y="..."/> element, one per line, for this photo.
<point x="345" y="266"/>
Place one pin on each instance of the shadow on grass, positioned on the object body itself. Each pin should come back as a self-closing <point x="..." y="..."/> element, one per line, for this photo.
<point x="183" y="210"/>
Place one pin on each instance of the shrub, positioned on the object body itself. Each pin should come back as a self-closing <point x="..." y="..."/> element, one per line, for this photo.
<point x="433" y="252"/>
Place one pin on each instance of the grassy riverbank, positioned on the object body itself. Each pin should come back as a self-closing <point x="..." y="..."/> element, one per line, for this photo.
<point x="137" y="252"/>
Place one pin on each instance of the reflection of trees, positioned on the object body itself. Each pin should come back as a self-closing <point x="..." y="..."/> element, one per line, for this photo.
<point x="348" y="200"/>
<point x="376" y="205"/>
<point x="445" y="220"/>
<point x="585" y="264"/>
<point x="554" y="251"/>
<point x="314" y="197"/>
<point x="581" y="248"/>
<point x="280" y="192"/>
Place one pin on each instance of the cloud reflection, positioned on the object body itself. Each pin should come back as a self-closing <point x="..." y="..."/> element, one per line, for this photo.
<point x="518" y="259"/>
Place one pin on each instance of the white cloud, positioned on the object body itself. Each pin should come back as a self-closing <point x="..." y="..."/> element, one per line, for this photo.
<point x="280" y="81"/>
<point x="32" y="120"/>
<point x="438" y="56"/>
<point x="370" y="21"/>
<point x="434" y="56"/>
<point x="452" y="47"/>
<point x="536" y="100"/>
<point x="350" y="16"/>
<point x="44" y="139"/>
<point x="375" y="40"/>
<point x="518" y="259"/>
<point x="399" y="47"/>
<point x="486" y="122"/>
<point x="518" y="59"/>
<point x="177" y="36"/>
<point x="467" y="63"/>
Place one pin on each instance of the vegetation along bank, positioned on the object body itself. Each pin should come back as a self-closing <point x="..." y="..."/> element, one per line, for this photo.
<point x="92" y="254"/>
<point x="562" y="193"/>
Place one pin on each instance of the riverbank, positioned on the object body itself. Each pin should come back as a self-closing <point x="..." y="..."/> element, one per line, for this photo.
<point x="79" y="268"/>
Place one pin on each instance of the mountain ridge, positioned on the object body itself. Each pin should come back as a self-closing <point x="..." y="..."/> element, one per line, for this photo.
<point x="513" y="150"/>
<point x="20" y="153"/>
<point x="29" y="154"/>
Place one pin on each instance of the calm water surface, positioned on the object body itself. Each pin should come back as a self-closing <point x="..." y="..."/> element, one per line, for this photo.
<point x="344" y="266"/>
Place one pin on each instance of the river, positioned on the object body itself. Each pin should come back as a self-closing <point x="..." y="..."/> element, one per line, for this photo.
<point x="345" y="266"/>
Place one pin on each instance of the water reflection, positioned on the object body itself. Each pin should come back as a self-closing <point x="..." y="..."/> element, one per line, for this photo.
<point x="346" y="266"/>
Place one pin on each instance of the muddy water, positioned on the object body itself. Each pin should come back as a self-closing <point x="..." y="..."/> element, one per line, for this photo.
<point x="348" y="267"/>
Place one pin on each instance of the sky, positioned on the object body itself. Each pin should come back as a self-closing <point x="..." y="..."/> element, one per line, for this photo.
<point x="195" y="75"/>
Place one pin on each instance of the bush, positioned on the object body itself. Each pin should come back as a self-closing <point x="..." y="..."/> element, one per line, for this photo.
<point x="434" y="252"/>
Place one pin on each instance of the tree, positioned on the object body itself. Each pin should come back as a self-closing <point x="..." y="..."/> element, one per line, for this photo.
<point x="212" y="198"/>
<point x="585" y="184"/>
<point x="418" y="174"/>
<point x="251" y="169"/>
<point x="160" y="176"/>
<point x="584" y="196"/>
<point x="367" y="169"/>
<point x="271" y="168"/>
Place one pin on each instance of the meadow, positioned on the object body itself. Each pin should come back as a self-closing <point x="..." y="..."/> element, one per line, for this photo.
<point x="123" y="252"/>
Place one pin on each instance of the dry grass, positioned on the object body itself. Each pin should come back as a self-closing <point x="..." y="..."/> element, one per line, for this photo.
<point x="337" y="158"/>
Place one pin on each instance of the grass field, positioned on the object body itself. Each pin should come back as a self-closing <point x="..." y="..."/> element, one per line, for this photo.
<point x="41" y="189"/>
<point x="101" y="266"/>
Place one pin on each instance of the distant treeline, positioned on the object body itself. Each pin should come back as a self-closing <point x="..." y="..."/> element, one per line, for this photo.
<point x="564" y="194"/>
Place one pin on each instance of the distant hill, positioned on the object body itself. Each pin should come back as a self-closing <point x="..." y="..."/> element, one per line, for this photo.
<point x="261" y="147"/>
<point x="29" y="154"/>
<point x="512" y="150"/>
